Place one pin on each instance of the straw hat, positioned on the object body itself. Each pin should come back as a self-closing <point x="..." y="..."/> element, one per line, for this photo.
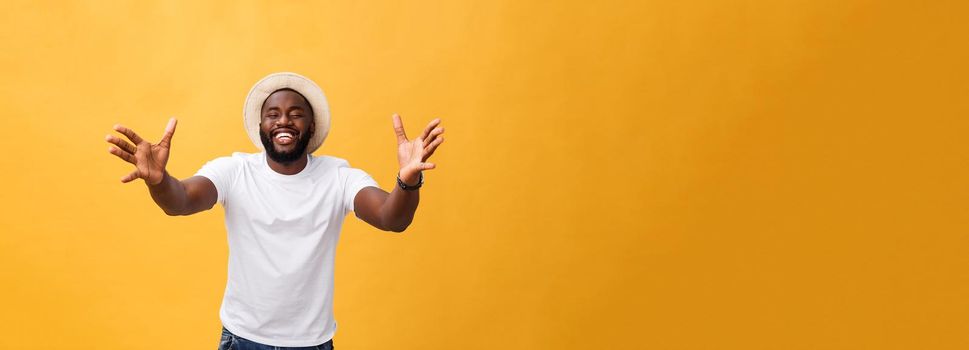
<point x="252" y="113"/>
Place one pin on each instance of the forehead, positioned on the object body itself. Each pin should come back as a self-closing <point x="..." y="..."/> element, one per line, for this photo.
<point x="285" y="98"/>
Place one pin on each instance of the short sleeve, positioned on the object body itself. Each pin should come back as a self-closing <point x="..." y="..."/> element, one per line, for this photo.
<point x="221" y="171"/>
<point x="353" y="181"/>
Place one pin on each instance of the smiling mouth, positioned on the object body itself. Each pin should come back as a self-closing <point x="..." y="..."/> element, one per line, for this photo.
<point x="284" y="137"/>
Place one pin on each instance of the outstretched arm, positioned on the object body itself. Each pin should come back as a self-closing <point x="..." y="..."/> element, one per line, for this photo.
<point x="394" y="211"/>
<point x="175" y="197"/>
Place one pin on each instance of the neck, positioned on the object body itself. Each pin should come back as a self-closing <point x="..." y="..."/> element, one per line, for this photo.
<point x="291" y="168"/>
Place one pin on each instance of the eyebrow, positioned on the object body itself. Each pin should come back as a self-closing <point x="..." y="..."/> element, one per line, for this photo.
<point x="291" y="108"/>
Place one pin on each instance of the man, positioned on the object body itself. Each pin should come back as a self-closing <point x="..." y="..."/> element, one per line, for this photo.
<point x="283" y="209"/>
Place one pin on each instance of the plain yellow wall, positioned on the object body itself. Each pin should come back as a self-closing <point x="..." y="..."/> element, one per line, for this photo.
<point x="617" y="175"/>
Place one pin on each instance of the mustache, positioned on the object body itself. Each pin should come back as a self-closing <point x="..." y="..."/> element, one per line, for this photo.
<point x="283" y="157"/>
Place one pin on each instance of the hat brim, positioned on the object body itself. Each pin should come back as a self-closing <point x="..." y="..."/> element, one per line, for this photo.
<point x="252" y="112"/>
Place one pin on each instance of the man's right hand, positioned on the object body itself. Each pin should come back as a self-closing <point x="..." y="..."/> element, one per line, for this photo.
<point x="149" y="159"/>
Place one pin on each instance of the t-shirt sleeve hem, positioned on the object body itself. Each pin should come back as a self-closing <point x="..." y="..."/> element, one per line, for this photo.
<point x="356" y="190"/>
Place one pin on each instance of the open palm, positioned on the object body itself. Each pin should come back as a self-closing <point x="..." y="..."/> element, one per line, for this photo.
<point x="413" y="154"/>
<point x="149" y="159"/>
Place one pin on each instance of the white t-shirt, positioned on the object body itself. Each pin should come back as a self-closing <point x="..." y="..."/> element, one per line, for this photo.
<point x="282" y="232"/>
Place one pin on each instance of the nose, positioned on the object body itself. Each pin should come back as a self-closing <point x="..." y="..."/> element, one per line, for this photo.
<point x="283" y="120"/>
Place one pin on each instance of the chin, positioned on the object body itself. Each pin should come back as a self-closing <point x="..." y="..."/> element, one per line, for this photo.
<point x="285" y="153"/>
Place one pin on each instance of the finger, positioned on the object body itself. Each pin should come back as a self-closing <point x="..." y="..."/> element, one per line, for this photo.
<point x="125" y="156"/>
<point x="429" y="150"/>
<point x="430" y="126"/>
<point x="129" y="133"/>
<point x="130" y="177"/>
<point x="166" y="140"/>
<point x="433" y="135"/>
<point x="399" y="129"/>
<point x="124" y="145"/>
<point x="428" y="166"/>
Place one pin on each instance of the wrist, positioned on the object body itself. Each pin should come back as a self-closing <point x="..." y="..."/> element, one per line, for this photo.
<point x="407" y="185"/>
<point x="164" y="174"/>
<point x="409" y="177"/>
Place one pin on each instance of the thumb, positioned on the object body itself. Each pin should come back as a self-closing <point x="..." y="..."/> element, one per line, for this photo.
<point x="166" y="139"/>
<point x="399" y="129"/>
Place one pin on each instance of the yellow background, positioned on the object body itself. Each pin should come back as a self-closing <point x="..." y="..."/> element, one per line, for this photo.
<point x="617" y="174"/>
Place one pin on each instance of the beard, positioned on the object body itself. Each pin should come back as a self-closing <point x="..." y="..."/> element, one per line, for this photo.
<point x="285" y="157"/>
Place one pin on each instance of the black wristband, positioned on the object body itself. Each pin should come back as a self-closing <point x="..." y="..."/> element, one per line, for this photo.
<point x="406" y="187"/>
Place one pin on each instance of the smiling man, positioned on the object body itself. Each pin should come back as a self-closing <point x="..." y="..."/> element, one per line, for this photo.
<point x="284" y="209"/>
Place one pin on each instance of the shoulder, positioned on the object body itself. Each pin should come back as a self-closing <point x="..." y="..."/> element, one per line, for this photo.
<point x="245" y="157"/>
<point x="231" y="163"/>
<point x="330" y="162"/>
<point x="339" y="166"/>
<point x="237" y="158"/>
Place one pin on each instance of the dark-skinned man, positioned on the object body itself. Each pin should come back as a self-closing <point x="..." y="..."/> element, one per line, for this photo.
<point x="284" y="209"/>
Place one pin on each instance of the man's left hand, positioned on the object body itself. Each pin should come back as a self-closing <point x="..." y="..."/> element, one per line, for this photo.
<point x="413" y="154"/>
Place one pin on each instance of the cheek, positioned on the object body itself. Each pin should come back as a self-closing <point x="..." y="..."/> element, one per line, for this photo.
<point x="307" y="128"/>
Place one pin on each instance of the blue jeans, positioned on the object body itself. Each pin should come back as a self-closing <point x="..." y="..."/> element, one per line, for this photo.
<point x="231" y="341"/>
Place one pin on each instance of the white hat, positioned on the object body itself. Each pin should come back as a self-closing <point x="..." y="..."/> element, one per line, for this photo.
<point x="252" y="113"/>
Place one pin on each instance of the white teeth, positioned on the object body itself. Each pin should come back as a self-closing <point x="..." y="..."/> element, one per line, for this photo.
<point x="284" y="135"/>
